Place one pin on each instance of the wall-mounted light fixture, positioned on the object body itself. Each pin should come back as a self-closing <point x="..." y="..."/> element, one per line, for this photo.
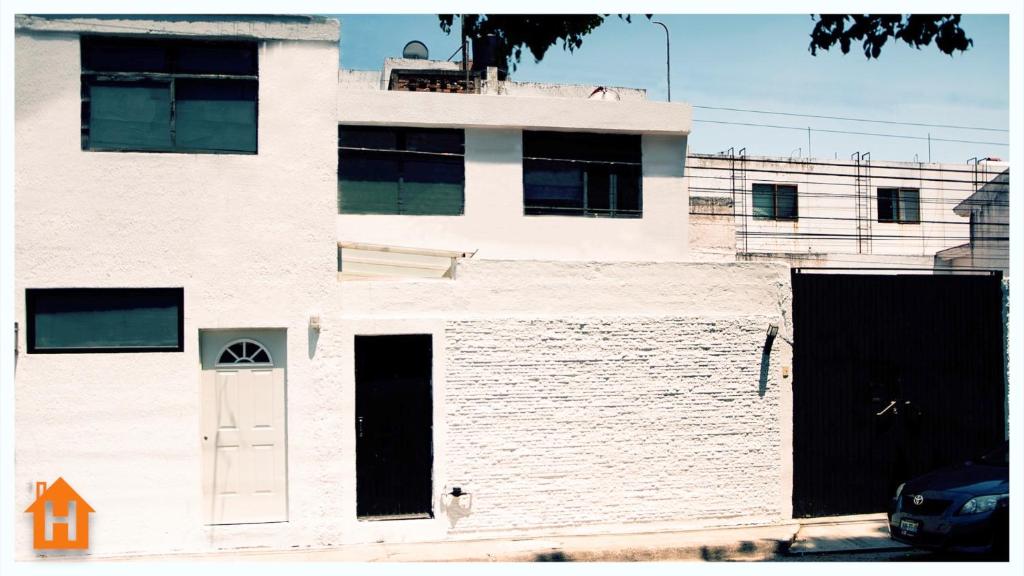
<point x="314" y="323"/>
<point x="773" y="331"/>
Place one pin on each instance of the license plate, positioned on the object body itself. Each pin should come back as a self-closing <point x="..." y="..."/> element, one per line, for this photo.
<point x="909" y="527"/>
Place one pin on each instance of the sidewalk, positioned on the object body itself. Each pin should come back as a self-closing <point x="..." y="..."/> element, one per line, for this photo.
<point x="752" y="543"/>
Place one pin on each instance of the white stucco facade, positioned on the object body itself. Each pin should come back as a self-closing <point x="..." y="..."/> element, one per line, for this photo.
<point x="838" y="224"/>
<point x="587" y="374"/>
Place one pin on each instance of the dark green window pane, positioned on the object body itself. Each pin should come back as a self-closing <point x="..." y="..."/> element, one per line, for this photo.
<point x="552" y="187"/>
<point x="426" y="169"/>
<point x="379" y="173"/>
<point x="371" y="137"/>
<point x="432" y="185"/>
<point x="130" y="115"/>
<point x="362" y="197"/>
<point x="368" y="183"/>
<point x="218" y="115"/>
<point x="910" y="205"/>
<point x="431" y="199"/>
<point x="582" y="146"/>
<point x="887" y="209"/>
<point x="627" y="190"/>
<point x="422" y="140"/>
<point x="101" y="54"/>
<point x="785" y="202"/>
<point x="600" y="185"/>
<point x="135" y="97"/>
<point x="216" y="58"/>
<point x="83" y="319"/>
<point x="584" y="173"/>
<point x="764" y="201"/>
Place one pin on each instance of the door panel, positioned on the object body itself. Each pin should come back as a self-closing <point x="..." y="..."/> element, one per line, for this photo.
<point x="394" y="421"/>
<point x="894" y="376"/>
<point x="244" y="444"/>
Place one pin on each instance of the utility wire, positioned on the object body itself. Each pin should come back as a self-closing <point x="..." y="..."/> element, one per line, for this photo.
<point x="782" y="221"/>
<point x="851" y="119"/>
<point x="709" y="189"/>
<point x="825" y="130"/>
<point x="877" y="165"/>
<point x="863" y="176"/>
<point x="726" y="192"/>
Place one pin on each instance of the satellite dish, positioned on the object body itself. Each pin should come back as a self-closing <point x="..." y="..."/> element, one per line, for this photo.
<point x="415" y="50"/>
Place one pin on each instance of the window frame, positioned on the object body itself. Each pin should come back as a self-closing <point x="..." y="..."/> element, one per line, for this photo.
<point x="897" y="204"/>
<point x="775" y="202"/>
<point x="90" y="77"/>
<point x="402" y="155"/>
<point x="31" y="295"/>
<point x="628" y="159"/>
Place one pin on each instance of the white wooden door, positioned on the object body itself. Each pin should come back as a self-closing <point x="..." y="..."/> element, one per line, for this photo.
<point x="243" y="436"/>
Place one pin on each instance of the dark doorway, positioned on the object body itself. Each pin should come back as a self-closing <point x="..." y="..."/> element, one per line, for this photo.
<point x="894" y="376"/>
<point x="394" y="421"/>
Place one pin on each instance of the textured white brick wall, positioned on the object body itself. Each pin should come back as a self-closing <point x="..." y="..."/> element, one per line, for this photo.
<point x="587" y="420"/>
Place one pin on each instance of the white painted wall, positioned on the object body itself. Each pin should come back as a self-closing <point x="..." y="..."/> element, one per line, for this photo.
<point x="250" y="238"/>
<point x="494" y="225"/>
<point x="589" y="397"/>
<point x="661" y="356"/>
<point x="988" y="214"/>
<point x="357" y="105"/>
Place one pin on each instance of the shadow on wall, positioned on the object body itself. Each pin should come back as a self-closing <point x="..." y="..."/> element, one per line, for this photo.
<point x="313" y="337"/>
<point x="766" y="361"/>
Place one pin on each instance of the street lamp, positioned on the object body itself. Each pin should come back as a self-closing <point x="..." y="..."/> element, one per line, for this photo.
<point x="668" y="58"/>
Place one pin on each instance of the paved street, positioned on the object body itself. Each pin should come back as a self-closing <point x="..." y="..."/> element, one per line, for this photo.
<point x="882" y="556"/>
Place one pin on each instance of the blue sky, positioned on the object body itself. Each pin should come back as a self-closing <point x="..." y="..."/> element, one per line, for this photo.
<point x="761" y="62"/>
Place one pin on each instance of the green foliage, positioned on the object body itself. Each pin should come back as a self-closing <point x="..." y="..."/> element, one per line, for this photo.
<point x="873" y="30"/>
<point x="535" y="32"/>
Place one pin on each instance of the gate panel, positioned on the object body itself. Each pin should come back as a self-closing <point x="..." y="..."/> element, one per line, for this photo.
<point x="894" y="376"/>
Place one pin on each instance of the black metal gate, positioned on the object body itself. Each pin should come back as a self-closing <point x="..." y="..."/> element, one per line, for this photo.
<point x="394" y="422"/>
<point x="894" y="375"/>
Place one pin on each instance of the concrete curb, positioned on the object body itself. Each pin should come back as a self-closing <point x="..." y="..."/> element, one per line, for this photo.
<point x="817" y="537"/>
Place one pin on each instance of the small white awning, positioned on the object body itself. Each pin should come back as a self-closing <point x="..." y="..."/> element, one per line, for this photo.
<point x="360" y="261"/>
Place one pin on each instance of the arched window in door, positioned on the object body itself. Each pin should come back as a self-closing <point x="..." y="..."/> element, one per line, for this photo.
<point x="244" y="352"/>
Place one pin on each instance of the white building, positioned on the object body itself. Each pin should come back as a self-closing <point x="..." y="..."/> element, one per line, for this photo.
<point x="858" y="213"/>
<point x="223" y="327"/>
<point x="988" y="214"/>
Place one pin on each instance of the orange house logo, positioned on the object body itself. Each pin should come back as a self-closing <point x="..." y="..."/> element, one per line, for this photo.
<point x="60" y="518"/>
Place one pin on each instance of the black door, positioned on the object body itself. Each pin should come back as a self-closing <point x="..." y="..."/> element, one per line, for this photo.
<point x="894" y="376"/>
<point x="394" y="413"/>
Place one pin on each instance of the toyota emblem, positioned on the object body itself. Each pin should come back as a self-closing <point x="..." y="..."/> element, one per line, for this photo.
<point x="918" y="500"/>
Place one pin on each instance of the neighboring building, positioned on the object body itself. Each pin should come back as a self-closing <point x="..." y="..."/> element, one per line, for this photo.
<point x="834" y="213"/>
<point x="988" y="214"/>
<point x="263" y="303"/>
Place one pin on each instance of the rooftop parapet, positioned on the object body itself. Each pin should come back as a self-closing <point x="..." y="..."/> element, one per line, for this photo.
<point x="260" y="27"/>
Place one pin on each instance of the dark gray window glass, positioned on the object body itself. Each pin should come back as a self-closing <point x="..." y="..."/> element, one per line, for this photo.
<point x="386" y="170"/>
<point x="582" y="174"/>
<point x="901" y="205"/>
<point x="168" y="95"/>
<point x="775" y="202"/>
<point x="68" y="320"/>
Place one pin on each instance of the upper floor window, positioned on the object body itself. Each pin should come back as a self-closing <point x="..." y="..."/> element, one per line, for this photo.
<point x="582" y="174"/>
<point x="901" y="205"/>
<point x="387" y="170"/>
<point x="775" y="202"/>
<point x="168" y="95"/>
